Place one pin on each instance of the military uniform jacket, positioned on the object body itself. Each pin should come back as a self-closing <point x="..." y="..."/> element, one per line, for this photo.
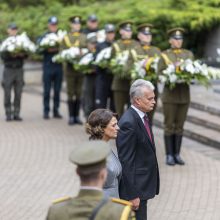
<point x="136" y="51"/>
<point x="151" y="51"/>
<point x="81" y="207"/>
<point x="181" y="93"/>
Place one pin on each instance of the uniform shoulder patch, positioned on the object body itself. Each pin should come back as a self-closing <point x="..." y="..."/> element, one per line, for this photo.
<point x="61" y="199"/>
<point x="121" y="201"/>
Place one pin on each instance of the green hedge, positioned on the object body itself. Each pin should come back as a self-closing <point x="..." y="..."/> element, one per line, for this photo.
<point x="197" y="16"/>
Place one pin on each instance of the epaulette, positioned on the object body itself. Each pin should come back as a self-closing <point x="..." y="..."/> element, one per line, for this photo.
<point x="61" y="199"/>
<point x="121" y="201"/>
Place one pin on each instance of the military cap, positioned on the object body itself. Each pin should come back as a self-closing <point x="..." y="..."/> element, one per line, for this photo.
<point x="176" y="33"/>
<point x="75" y="19"/>
<point x="90" y="153"/>
<point x="109" y="28"/>
<point x="91" y="38"/>
<point x="12" y="26"/>
<point x="92" y="18"/>
<point x="126" y="25"/>
<point x="53" y="20"/>
<point x="145" y="29"/>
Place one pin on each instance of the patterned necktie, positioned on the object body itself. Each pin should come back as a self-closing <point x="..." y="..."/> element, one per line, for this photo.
<point x="146" y="125"/>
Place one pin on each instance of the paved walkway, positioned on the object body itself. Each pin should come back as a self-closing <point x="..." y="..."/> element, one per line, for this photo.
<point x="34" y="170"/>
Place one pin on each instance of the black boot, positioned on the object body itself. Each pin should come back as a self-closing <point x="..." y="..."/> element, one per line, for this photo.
<point x="177" y="146"/>
<point x="70" y="109"/>
<point x="76" y="112"/>
<point x="169" y="142"/>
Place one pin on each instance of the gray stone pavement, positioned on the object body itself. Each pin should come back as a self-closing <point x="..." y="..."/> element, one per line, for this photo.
<point x="34" y="169"/>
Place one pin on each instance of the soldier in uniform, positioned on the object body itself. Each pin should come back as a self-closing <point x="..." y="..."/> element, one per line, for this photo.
<point x="88" y="93"/>
<point x="152" y="52"/>
<point x="175" y="101"/>
<point x="13" y="78"/>
<point x="104" y="76"/>
<point x="90" y="203"/>
<point x="120" y="86"/>
<point x="74" y="78"/>
<point x="92" y="24"/>
<point x="52" y="74"/>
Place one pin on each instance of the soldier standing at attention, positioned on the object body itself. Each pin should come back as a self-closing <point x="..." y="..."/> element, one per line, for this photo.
<point x="88" y="93"/>
<point x="52" y="74"/>
<point x="90" y="203"/>
<point x="104" y="76"/>
<point x="74" y="78"/>
<point x="13" y="78"/>
<point x="175" y="101"/>
<point x="120" y="86"/>
<point x="92" y="24"/>
<point x="145" y="38"/>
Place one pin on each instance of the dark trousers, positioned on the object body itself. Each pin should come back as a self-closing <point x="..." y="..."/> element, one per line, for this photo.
<point x="88" y="99"/>
<point x="121" y="98"/>
<point x="141" y="213"/>
<point x="13" y="78"/>
<point x="174" y="117"/>
<point x="103" y="91"/>
<point x="52" y="78"/>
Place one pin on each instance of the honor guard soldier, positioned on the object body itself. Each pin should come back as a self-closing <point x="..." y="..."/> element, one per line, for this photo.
<point x="151" y="52"/>
<point x="74" y="78"/>
<point x="13" y="78"/>
<point x="104" y="76"/>
<point x="90" y="203"/>
<point x="92" y="24"/>
<point x="120" y="86"/>
<point x="89" y="79"/>
<point x="175" y="101"/>
<point x="52" y="73"/>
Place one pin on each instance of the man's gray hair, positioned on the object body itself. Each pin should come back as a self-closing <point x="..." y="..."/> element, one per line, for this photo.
<point x="136" y="89"/>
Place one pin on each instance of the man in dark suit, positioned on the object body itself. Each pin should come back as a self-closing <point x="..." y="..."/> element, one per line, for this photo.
<point x="136" y="150"/>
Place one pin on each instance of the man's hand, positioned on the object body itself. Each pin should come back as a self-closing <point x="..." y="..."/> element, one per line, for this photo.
<point x="51" y="50"/>
<point x="135" y="203"/>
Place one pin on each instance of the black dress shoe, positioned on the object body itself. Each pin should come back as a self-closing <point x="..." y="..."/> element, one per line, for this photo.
<point x="46" y="116"/>
<point x="8" y="118"/>
<point x="179" y="160"/>
<point x="170" y="160"/>
<point x="57" y="115"/>
<point x="77" y="121"/>
<point x="17" y="118"/>
<point x="71" y="121"/>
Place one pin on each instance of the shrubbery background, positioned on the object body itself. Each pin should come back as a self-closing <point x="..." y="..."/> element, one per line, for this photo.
<point x="198" y="16"/>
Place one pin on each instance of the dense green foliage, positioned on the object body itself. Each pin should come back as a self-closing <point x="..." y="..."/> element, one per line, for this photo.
<point x="197" y="16"/>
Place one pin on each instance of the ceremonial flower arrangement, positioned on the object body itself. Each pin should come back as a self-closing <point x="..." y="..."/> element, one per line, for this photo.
<point x="187" y="71"/>
<point x="18" y="44"/>
<point x="85" y="64"/>
<point x="145" y="69"/>
<point x="118" y="64"/>
<point x="71" y="55"/>
<point x="103" y="58"/>
<point x="51" y="40"/>
<point x="101" y="36"/>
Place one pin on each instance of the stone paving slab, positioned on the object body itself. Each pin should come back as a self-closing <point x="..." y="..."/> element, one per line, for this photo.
<point x="34" y="170"/>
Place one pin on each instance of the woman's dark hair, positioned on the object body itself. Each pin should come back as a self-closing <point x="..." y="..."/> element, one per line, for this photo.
<point x="97" y="122"/>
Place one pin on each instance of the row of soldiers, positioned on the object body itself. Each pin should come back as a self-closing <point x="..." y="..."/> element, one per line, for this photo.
<point x="102" y="89"/>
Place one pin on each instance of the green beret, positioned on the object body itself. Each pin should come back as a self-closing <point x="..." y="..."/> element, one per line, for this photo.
<point x="90" y="153"/>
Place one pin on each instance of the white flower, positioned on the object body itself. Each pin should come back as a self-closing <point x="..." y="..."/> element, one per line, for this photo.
<point x="103" y="55"/>
<point x="162" y="79"/>
<point x="87" y="59"/>
<point x="173" y="78"/>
